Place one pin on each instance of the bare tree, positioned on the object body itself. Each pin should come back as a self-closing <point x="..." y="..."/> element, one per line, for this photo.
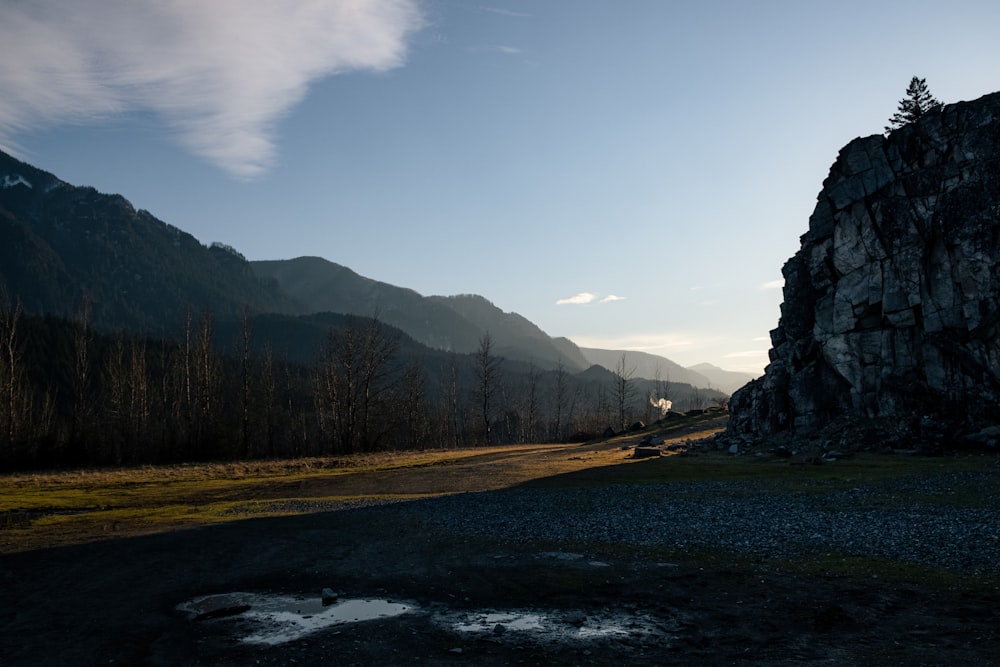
<point x="354" y="380"/>
<point x="182" y="406"/>
<point x="559" y="389"/>
<point x="269" y="389"/>
<point x="488" y="374"/>
<point x="126" y="381"/>
<point x="624" y="388"/>
<point x="139" y="403"/>
<point x="82" y="390"/>
<point x="245" y="380"/>
<point x="531" y="426"/>
<point x="13" y="389"/>
<point x="115" y="391"/>
<point x="456" y="412"/>
<point x="380" y="345"/>
<point x="414" y="401"/>
<point x="207" y="378"/>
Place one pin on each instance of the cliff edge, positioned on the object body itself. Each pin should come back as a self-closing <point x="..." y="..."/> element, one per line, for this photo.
<point x="891" y="312"/>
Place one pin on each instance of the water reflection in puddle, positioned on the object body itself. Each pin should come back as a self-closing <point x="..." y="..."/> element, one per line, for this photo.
<point x="276" y="619"/>
<point x="258" y="618"/>
<point x="509" y="621"/>
<point x="556" y="625"/>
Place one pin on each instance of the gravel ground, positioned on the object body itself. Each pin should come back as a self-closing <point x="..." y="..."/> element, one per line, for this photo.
<point x="483" y="559"/>
<point x="886" y="521"/>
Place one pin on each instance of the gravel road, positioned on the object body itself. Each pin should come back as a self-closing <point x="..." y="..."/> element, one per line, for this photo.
<point x="748" y="518"/>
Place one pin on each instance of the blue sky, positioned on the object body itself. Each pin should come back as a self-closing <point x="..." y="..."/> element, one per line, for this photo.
<point x="631" y="174"/>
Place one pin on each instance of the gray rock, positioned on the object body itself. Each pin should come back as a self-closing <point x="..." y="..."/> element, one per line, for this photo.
<point x="891" y="303"/>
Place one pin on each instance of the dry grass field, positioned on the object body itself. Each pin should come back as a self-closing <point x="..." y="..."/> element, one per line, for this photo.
<point x="60" y="508"/>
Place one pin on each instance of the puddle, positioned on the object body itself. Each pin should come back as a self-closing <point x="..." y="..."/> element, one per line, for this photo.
<point x="509" y="621"/>
<point x="277" y="619"/>
<point x="257" y="618"/>
<point x="558" y="625"/>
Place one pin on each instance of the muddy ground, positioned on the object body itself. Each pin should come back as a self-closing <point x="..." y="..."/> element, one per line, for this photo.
<point x="120" y="601"/>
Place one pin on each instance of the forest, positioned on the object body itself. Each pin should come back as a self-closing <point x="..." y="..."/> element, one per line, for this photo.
<point x="72" y="396"/>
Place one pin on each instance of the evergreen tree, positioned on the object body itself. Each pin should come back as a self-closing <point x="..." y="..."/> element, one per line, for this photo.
<point x="917" y="102"/>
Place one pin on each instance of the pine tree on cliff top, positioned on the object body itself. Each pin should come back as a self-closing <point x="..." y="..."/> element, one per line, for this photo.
<point x="917" y="102"/>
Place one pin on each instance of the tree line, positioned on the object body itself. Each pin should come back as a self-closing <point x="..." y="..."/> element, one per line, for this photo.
<point x="72" y="396"/>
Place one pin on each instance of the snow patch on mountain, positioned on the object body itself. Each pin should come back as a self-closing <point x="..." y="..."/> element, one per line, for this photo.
<point x="11" y="180"/>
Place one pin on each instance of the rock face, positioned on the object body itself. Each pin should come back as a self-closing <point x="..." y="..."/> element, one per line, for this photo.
<point x="892" y="304"/>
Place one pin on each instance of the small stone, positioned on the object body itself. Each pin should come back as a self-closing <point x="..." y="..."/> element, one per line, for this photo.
<point x="644" y="452"/>
<point x="329" y="596"/>
<point x="499" y="629"/>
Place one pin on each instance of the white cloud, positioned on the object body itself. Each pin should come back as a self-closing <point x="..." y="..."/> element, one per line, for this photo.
<point x="576" y="299"/>
<point x="588" y="297"/>
<point x="656" y="343"/>
<point x="774" y="284"/>
<point x="220" y="74"/>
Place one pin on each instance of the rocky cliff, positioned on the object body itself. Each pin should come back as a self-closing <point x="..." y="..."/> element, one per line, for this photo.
<point x="891" y="310"/>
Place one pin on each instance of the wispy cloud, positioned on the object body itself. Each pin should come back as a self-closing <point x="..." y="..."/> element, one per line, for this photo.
<point x="577" y="299"/>
<point x="774" y="284"/>
<point x="658" y="343"/>
<point x="588" y="297"/>
<point x="219" y="74"/>
<point x="505" y="12"/>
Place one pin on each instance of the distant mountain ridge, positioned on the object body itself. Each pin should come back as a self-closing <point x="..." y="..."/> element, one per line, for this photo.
<point x="452" y="323"/>
<point x="655" y="367"/>
<point x="727" y="381"/>
<point x="63" y="245"/>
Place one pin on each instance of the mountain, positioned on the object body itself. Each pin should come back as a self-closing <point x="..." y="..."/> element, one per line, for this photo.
<point x="61" y="245"/>
<point x="515" y="336"/>
<point x="317" y="285"/>
<point x="64" y="246"/>
<point x="645" y="365"/>
<point x="727" y="381"/>
<point x="453" y="323"/>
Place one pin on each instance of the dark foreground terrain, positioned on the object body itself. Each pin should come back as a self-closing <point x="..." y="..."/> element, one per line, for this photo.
<point x="591" y="567"/>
